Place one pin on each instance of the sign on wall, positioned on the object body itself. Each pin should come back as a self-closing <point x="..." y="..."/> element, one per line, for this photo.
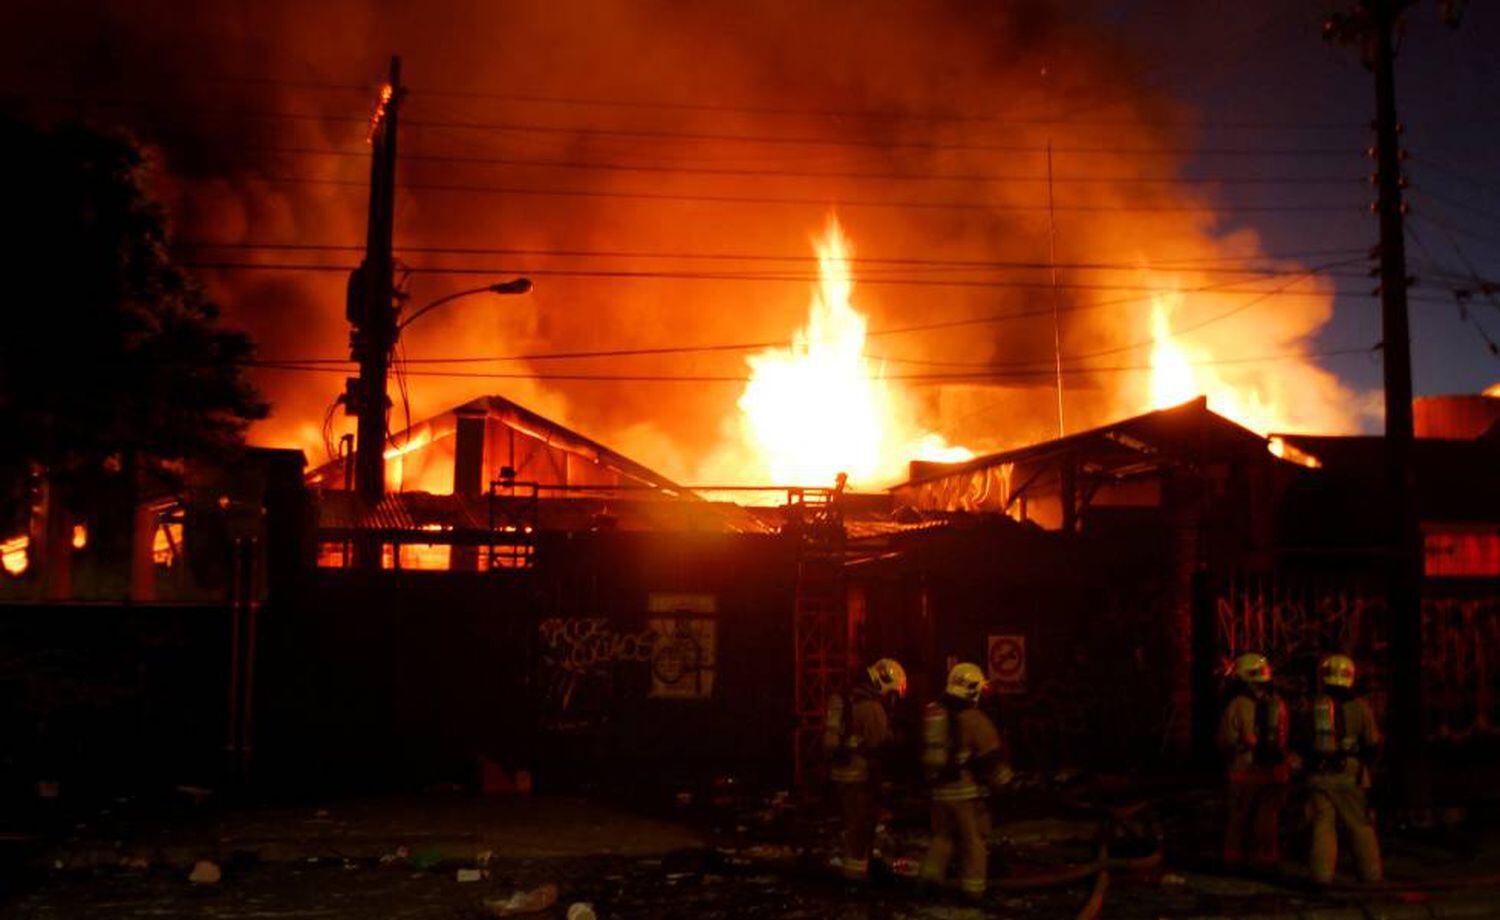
<point x="683" y="658"/>
<point x="1007" y="663"/>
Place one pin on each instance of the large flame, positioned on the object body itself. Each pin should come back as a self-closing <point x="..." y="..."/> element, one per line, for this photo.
<point x="820" y="407"/>
<point x="1279" y="394"/>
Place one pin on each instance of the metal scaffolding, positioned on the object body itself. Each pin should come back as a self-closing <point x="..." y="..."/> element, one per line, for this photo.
<point x="820" y="624"/>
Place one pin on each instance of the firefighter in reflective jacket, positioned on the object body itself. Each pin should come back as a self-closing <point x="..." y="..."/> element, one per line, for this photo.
<point x="855" y="731"/>
<point x="961" y="751"/>
<point x="1344" y="738"/>
<point x="1253" y="738"/>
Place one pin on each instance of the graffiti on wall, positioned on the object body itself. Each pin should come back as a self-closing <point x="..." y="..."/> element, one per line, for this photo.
<point x="1296" y="622"/>
<point x="579" y="657"/>
<point x="1461" y="645"/>
<point x="587" y="663"/>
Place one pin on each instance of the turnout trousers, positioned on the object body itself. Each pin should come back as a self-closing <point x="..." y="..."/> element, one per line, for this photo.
<point x="956" y="828"/>
<point x="1334" y="803"/>
<point x="1256" y="798"/>
<point x="857" y="807"/>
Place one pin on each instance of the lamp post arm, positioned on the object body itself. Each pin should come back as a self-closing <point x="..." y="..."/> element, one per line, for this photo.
<point x="446" y="298"/>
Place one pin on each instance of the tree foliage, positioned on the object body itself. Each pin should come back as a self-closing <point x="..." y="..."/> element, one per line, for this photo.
<point x="110" y="354"/>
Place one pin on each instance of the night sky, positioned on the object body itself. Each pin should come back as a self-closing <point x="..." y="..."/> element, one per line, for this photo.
<point x="1264" y="64"/>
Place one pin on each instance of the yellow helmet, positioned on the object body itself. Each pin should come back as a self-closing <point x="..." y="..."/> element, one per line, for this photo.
<point x="966" y="682"/>
<point x="1253" y="668"/>
<point x="1336" y="671"/>
<point x="888" y="676"/>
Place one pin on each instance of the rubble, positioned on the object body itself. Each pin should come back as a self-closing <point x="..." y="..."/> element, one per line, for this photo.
<point x="205" y="873"/>
<point x="469" y="875"/>
<point x="523" y="902"/>
<point x="581" y="910"/>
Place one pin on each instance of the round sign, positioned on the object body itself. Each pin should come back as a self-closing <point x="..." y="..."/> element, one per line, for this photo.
<point x="1007" y="657"/>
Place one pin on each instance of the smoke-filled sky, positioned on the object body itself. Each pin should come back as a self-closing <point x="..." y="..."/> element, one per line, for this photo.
<point x="661" y="171"/>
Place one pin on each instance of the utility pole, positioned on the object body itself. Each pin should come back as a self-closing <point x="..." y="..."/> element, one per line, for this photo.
<point x="371" y="306"/>
<point x="1372" y="25"/>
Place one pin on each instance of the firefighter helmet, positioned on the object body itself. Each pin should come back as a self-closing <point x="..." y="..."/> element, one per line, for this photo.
<point x="966" y="682"/>
<point x="1252" y="668"/>
<point x="1336" y="671"/>
<point x="888" y="676"/>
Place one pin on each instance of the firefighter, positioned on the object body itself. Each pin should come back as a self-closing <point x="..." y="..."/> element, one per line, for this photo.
<point x="855" y="732"/>
<point x="1253" y="738"/>
<point x="1344" y="738"/>
<point x="961" y="751"/>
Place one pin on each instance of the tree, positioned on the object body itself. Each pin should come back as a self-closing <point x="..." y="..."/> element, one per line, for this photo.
<point x="111" y="357"/>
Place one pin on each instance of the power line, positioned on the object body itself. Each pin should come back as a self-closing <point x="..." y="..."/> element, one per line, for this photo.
<point x="762" y="172"/>
<point x="991" y="207"/>
<point x="1195" y="262"/>
<point x="874" y="333"/>
<point x="873" y="114"/>
<point x="181" y="113"/>
<point x="998" y="374"/>
<point x="782" y="278"/>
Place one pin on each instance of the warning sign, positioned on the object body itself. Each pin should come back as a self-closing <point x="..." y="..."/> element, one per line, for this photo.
<point x="1007" y="663"/>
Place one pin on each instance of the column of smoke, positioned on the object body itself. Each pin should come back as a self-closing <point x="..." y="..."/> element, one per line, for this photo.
<point x="773" y="63"/>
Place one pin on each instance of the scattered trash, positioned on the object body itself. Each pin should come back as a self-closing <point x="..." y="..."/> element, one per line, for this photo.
<point x="769" y="852"/>
<point x="470" y="875"/>
<point x="523" y="902"/>
<point x="684" y="799"/>
<point x="48" y="788"/>
<point x="398" y="855"/>
<point x="483" y="857"/>
<point x="135" y="863"/>
<point x="57" y="864"/>
<point x="1172" y="878"/>
<point x="906" y="867"/>
<point x="426" y="859"/>
<point x="197" y="793"/>
<point x="581" y="910"/>
<point x="205" y="873"/>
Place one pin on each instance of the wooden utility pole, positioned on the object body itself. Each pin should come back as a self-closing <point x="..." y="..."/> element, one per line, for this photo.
<point x="1372" y="25"/>
<point x="371" y="301"/>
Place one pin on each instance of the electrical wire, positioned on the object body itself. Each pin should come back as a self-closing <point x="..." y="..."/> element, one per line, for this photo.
<point x="763" y="172"/>
<point x="1163" y="263"/>
<point x="998" y="374"/>
<point x="874" y="114"/>
<point x="992" y="207"/>
<point x="197" y="113"/>
<point x="783" y="278"/>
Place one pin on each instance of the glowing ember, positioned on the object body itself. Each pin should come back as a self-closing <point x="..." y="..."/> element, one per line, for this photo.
<point x="819" y="408"/>
<point x="80" y="536"/>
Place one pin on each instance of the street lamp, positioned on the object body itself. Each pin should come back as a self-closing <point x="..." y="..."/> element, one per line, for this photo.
<point x="513" y="286"/>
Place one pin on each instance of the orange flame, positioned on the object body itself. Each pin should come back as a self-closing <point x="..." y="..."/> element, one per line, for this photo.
<point x="820" y="407"/>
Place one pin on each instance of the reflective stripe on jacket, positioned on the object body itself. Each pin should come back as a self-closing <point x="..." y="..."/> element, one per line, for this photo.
<point x="953" y="741"/>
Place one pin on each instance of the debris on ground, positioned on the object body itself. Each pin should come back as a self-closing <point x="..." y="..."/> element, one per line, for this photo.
<point x="581" y="910"/>
<point x="400" y="854"/>
<point x="427" y="858"/>
<point x="469" y="875"/>
<point x="523" y="902"/>
<point x="205" y="873"/>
